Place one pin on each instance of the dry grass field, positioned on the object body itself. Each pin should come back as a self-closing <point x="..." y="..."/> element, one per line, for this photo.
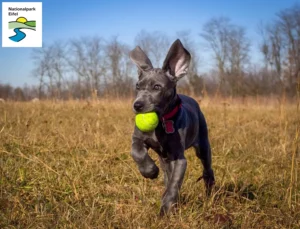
<point x="68" y="165"/>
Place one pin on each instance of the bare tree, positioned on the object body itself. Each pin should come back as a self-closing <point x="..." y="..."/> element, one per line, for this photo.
<point x="281" y="47"/>
<point x="230" y="49"/>
<point x="43" y="70"/>
<point x="289" y="26"/>
<point x="81" y="67"/>
<point x="154" y="44"/>
<point x="59" y="65"/>
<point x="238" y="53"/>
<point x="50" y="68"/>
<point x="119" y="67"/>
<point x="216" y="32"/>
<point x="39" y="71"/>
<point x="6" y="91"/>
<point x="264" y="45"/>
<point x="276" y="49"/>
<point x="86" y="59"/>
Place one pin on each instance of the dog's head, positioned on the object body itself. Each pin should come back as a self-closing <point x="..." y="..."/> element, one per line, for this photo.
<point x="156" y="87"/>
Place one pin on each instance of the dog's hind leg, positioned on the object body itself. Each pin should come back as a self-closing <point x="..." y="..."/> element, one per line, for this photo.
<point x="203" y="152"/>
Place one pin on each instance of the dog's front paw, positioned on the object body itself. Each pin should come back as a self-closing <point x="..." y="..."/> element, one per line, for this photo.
<point x="165" y="209"/>
<point x="150" y="171"/>
<point x="169" y="202"/>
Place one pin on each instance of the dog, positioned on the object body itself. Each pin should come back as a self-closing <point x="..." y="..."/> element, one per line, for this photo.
<point x="181" y="123"/>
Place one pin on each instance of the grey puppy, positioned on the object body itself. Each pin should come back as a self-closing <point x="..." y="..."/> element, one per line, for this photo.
<point x="181" y="126"/>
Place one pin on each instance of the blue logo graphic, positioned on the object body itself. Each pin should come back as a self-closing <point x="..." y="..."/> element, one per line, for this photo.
<point x="20" y="23"/>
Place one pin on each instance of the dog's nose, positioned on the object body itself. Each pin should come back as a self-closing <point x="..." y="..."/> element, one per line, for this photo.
<point x="138" y="106"/>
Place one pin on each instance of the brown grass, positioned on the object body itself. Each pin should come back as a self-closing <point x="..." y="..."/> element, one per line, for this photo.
<point x="68" y="165"/>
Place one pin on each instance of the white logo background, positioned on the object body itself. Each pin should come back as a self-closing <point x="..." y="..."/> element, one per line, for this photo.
<point x="33" y="38"/>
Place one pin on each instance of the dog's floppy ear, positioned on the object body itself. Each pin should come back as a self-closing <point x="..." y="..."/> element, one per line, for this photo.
<point x="138" y="56"/>
<point x="177" y="61"/>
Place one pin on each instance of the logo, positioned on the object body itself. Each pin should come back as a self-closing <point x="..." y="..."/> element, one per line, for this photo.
<point x="21" y="24"/>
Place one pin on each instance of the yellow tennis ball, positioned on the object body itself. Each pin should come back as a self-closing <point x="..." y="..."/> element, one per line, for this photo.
<point x="146" y="122"/>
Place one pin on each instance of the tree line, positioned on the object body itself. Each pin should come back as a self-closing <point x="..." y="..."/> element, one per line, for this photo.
<point x="94" y="67"/>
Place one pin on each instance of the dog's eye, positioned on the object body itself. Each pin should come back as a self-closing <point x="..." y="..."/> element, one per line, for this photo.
<point x="157" y="87"/>
<point x="137" y="87"/>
